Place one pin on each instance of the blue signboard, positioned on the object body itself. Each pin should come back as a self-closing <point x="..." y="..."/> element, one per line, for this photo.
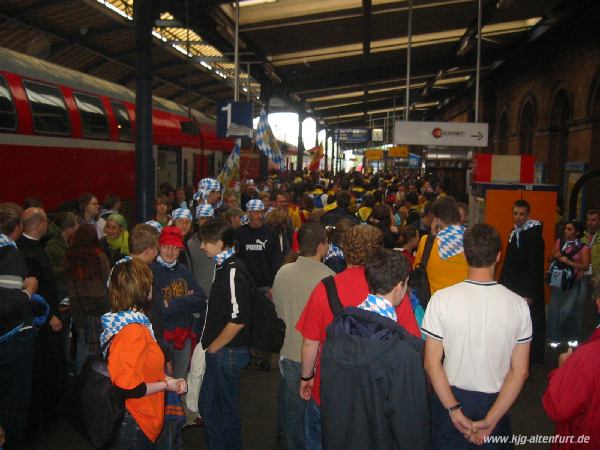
<point x="414" y="161"/>
<point x="234" y="119"/>
<point x="352" y="135"/>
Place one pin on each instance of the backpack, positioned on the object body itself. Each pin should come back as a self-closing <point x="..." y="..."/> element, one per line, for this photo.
<point x="560" y="275"/>
<point x="102" y="411"/>
<point x="267" y="330"/>
<point x="418" y="281"/>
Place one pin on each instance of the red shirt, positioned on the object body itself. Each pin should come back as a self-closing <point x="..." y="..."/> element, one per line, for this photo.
<point x="352" y="289"/>
<point x="572" y="398"/>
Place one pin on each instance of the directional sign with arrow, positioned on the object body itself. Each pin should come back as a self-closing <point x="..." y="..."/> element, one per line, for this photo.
<point x="450" y="134"/>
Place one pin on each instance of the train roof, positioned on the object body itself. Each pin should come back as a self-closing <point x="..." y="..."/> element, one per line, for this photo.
<point x="31" y="67"/>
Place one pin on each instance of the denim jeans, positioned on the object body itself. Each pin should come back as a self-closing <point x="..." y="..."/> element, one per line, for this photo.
<point x="181" y="360"/>
<point x="131" y="437"/>
<point x="475" y="406"/>
<point x="291" y="405"/>
<point x="16" y="369"/>
<point x="565" y="312"/>
<point x="312" y="426"/>
<point x="220" y="398"/>
<point x="82" y="351"/>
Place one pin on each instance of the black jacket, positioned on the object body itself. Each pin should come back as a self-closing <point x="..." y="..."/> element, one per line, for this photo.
<point x="332" y="217"/>
<point x="373" y="385"/>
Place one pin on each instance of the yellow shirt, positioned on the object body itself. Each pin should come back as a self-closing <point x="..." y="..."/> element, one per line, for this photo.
<point x="294" y="212"/>
<point x="442" y="273"/>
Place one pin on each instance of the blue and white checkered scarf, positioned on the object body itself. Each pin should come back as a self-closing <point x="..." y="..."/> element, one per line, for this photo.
<point x="162" y="262"/>
<point x="115" y="322"/>
<point x="6" y="241"/>
<point x="526" y="226"/>
<point x="224" y="255"/>
<point x="450" y="241"/>
<point x="205" y="187"/>
<point x="380" y="306"/>
<point x="181" y="213"/>
<point x="255" y="205"/>
<point x="205" y="210"/>
<point x="245" y="220"/>
<point x="334" y="252"/>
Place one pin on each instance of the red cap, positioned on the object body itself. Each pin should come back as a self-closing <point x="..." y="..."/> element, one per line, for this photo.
<point x="171" y="236"/>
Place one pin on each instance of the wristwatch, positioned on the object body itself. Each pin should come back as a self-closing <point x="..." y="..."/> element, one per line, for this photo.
<point x="454" y="408"/>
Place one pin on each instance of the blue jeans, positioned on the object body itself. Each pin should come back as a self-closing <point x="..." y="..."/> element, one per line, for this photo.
<point x="16" y="369"/>
<point x="291" y="405"/>
<point x="131" y="437"/>
<point x="475" y="406"/>
<point x="220" y="398"/>
<point x="565" y="312"/>
<point x="312" y="426"/>
<point x="82" y="351"/>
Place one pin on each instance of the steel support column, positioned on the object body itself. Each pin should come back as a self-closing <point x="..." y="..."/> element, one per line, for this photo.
<point x="143" y="17"/>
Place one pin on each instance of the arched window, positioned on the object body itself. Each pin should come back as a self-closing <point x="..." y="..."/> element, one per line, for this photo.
<point x="560" y="115"/>
<point x="526" y="129"/>
<point x="502" y="143"/>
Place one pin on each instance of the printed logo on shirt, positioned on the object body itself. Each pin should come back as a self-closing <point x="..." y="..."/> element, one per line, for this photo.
<point x="258" y="247"/>
<point x="177" y="288"/>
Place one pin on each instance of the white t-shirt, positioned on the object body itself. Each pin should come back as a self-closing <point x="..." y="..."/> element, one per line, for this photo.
<point x="479" y="325"/>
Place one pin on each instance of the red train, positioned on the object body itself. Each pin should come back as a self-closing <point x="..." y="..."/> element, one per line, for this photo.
<point x="63" y="133"/>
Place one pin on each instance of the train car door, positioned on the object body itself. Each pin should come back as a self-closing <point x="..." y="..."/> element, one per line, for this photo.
<point x="168" y="166"/>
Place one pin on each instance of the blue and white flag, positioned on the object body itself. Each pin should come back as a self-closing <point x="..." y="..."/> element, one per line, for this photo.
<point x="266" y="142"/>
<point x="230" y="173"/>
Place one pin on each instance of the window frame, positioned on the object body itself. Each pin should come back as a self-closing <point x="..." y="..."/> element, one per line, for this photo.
<point x="62" y="97"/>
<point x="115" y="105"/>
<point x="4" y="81"/>
<point x="105" y="136"/>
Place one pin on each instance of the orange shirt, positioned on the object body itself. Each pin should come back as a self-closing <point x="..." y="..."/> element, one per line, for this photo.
<point x="442" y="273"/>
<point x="134" y="357"/>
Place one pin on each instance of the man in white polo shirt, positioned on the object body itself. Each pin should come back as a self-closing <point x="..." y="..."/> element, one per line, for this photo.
<point x="477" y="350"/>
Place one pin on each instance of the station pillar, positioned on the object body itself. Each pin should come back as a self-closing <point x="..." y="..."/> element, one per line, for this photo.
<point x="143" y="18"/>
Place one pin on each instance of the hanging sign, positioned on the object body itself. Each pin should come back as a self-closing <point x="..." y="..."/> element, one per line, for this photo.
<point x="234" y="119"/>
<point x="414" y="161"/>
<point x="398" y="151"/>
<point x="374" y="154"/>
<point x="450" y="134"/>
<point x="352" y="135"/>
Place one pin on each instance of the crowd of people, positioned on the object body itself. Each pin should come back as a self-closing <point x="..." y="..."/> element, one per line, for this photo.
<point x="398" y="334"/>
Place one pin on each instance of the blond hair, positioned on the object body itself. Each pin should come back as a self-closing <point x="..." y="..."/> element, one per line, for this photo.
<point x="130" y="285"/>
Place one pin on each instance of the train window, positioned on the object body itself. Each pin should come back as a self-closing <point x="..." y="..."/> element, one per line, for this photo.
<point x="8" y="116"/>
<point x="48" y="107"/>
<point x="93" y="116"/>
<point x="122" y="121"/>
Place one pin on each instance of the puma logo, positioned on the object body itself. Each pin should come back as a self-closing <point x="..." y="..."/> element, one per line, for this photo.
<point x="258" y="247"/>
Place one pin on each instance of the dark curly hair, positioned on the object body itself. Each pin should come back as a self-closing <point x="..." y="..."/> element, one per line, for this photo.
<point x="360" y="242"/>
<point x="82" y="258"/>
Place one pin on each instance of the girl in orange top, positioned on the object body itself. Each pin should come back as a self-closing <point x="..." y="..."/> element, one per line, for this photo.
<point x="135" y="361"/>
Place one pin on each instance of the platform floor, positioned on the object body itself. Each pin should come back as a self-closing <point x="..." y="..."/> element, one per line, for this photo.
<point x="259" y="411"/>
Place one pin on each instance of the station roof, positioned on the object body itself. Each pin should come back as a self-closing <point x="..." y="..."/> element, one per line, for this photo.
<point x="342" y="61"/>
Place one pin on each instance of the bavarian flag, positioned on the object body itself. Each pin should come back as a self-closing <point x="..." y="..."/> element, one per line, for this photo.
<point x="266" y="142"/>
<point x="317" y="153"/>
<point x="230" y="173"/>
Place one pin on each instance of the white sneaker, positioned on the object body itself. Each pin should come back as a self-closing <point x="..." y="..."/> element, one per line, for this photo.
<point x="573" y="344"/>
<point x="554" y="345"/>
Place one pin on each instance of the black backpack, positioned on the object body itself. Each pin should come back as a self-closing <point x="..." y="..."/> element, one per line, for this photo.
<point x="101" y="411"/>
<point x="267" y="330"/>
<point x="418" y="280"/>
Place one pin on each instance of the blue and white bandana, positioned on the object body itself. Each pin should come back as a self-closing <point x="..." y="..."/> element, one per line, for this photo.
<point x="526" y="226"/>
<point x="181" y="213"/>
<point x="334" y="252"/>
<point x="121" y="261"/>
<point x="155" y="224"/>
<point x="162" y="262"/>
<point x="205" y="211"/>
<point x="244" y="220"/>
<point x="255" y="205"/>
<point x="115" y="322"/>
<point x="6" y="241"/>
<point x="451" y="241"/>
<point x="380" y="306"/>
<point x="224" y="255"/>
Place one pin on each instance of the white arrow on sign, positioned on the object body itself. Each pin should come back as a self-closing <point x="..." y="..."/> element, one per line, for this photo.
<point x="447" y="134"/>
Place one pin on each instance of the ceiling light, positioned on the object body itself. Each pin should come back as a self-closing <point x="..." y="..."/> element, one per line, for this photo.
<point x="254" y="2"/>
